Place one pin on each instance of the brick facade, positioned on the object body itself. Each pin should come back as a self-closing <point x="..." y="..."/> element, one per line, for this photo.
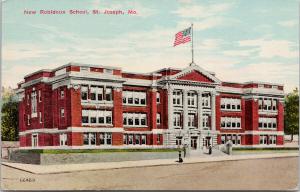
<point x="161" y="109"/>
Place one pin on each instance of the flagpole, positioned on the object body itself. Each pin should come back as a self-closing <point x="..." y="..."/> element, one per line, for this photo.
<point x="192" y="44"/>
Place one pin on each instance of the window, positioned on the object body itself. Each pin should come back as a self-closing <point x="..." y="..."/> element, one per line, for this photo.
<point x="134" y="98"/>
<point x="89" y="138"/>
<point x="84" y="93"/>
<point x="205" y="121"/>
<point x="206" y="100"/>
<point x="267" y="122"/>
<point x="33" y="104"/>
<point x="191" y="120"/>
<point x="263" y="139"/>
<point x="137" y="139"/>
<point x="97" y="117"/>
<point x="63" y="139"/>
<point x="267" y="104"/>
<point x="62" y="112"/>
<point x="157" y="97"/>
<point x="235" y="138"/>
<point x="40" y="96"/>
<point x="177" y="120"/>
<point x="178" y="140"/>
<point x="231" y="104"/>
<point x="28" y="119"/>
<point x="158" y="118"/>
<point x="105" y="138"/>
<point x="130" y="139"/>
<point x="135" y="119"/>
<point x="40" y="117"/>
<point x="85" y="116"/>
<point x="159" y="140"/>
<point x="96" y="93"/>
<point x="62" y="93"/>
<point x="260" y="103"/>
<point x="274" y="104"/>
<point x="34" y="140"/>
<point x="192" y="99"/>
<point x="177" y="97"/>
<point x="125" y="141"/>
<point x="143" y="139"/>
<point x="231" y="122"/>
<point x="108" y="94"/>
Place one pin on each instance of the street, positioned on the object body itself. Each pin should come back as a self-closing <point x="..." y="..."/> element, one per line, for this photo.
<point x="274" y="174"/>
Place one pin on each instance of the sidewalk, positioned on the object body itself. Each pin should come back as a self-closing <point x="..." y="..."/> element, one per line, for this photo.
<point x="52" y="169"/>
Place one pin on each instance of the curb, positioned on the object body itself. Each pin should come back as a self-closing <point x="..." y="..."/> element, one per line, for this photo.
<point x="39" y="169"/>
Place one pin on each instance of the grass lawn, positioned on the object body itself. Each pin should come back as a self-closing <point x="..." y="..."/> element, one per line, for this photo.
<point x="237" y="151"/>
<point x="63" y="151"/>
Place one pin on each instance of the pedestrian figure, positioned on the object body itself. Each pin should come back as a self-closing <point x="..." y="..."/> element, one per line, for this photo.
<point x="184" y="150"/>
<point x="209" y="149"/>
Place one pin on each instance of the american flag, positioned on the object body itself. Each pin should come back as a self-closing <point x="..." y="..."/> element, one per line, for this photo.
<point x="183" y="37"/>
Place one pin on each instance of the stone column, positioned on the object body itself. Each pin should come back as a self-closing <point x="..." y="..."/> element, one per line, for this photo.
<point x="199" y="109"/>
<point x="170" y="108"/>
<point x="185" y="110"/>
<point x="213" y="111"/>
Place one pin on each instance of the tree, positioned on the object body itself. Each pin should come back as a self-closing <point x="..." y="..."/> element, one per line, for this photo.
<point x="9" y="119"/>
<point x="291" y="114"/>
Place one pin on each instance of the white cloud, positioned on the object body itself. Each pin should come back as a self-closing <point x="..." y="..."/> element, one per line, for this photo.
<point x="272" y="48"/>
<point x="202" y="11"/>
<point x="289" y="23"/>
<point x="239" y="53"/>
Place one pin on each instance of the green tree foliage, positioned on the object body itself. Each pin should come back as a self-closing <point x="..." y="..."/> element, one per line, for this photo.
<point x="9" y="118"/>
<point x="291" y="114"/>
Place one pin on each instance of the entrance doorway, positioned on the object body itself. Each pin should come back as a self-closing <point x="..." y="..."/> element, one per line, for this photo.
<point x="207" y="141"/>
<point x="194" y="142"/>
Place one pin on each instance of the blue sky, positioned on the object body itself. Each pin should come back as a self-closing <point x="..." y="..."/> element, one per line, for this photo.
<point x="239" y="40"/>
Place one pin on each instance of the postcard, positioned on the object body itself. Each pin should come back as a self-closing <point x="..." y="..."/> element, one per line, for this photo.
<point x="150" y="95"/>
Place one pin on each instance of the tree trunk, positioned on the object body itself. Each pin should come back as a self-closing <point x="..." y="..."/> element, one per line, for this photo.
<point x="292" y="137"/>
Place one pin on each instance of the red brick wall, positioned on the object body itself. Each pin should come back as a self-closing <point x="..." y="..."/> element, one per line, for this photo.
<point x="153" y="109"/>
<point x="280" y="118"/>
<point x="218" y="112"/>
<point x="74" y="109"/>
<point x="55" y="139"/>
<point x="117" y="139"/>
<point x="117" y="109"/>
<point x="280" y="140"/>
<point x="22" y="140"/>
<point x="164" y="108"/>
<point x="77" y="139"/>
<point x="251" y="114"/>
<point x="251" y="140"/>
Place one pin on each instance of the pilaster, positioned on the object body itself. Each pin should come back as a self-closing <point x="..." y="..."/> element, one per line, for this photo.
<point x="199" y="111"/>
<point x="185" y="110"/>
<point x="213" y="111"/>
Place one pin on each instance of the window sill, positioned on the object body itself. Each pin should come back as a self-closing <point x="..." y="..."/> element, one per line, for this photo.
<point x="95" y="101"/>
<point x="273" y="129"/>
<point x="95" y="124"/>
<point x="135" y="126"/>
<point x="231" y="128"/>
<point x="33" y="115"/>
<point x="134" y="105"/>
<point x="231" y="110"/>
